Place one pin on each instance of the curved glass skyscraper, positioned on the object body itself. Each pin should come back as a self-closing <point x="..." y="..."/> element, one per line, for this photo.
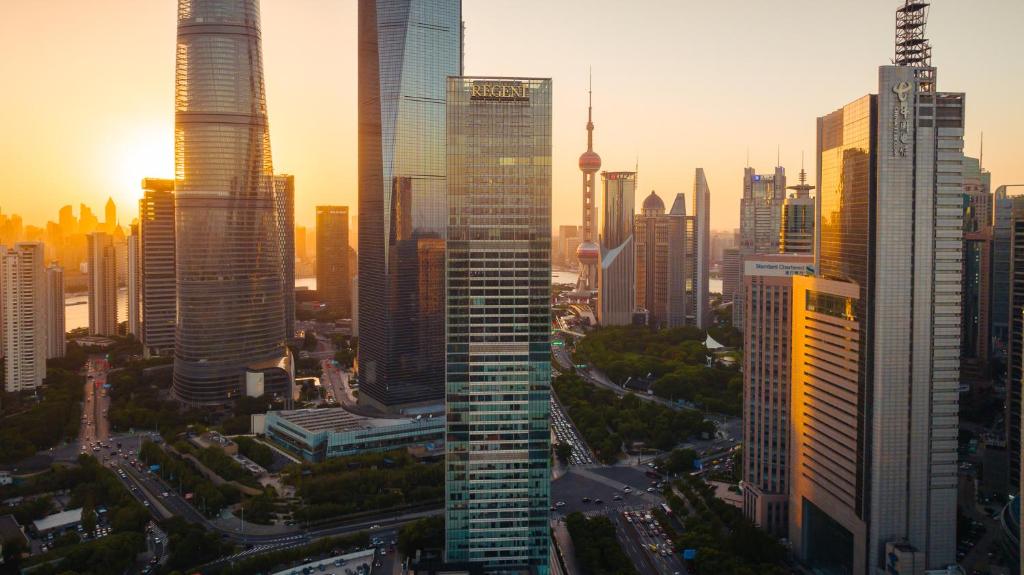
<point x="230" y="320"/>
<point x="407" y="50"/>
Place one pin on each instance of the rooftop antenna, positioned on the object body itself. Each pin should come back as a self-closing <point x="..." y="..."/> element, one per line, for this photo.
<point x="778" y="155"/>
<point x="803" y="189"/>
<point x="981" y="154"/>
<point x="748" y="156"/>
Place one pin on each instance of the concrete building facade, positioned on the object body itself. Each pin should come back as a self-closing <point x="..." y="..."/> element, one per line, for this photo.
<point x="23" y="293"/>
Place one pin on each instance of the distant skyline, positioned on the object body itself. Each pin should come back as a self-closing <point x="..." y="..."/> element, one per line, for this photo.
<point x="89" y="109"/>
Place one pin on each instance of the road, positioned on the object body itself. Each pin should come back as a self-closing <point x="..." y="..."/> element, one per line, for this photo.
<point x="335" y="382"/>
<point x="95" y="403"/>
<point x="637" y="538"/>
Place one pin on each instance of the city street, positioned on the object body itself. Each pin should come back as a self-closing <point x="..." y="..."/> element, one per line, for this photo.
<point x="335" y="381"/>
<point x="648" y="550"/>
<point x="95" y="403"/>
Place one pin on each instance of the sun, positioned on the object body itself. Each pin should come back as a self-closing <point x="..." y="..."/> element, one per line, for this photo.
<point x="142" y="150"/>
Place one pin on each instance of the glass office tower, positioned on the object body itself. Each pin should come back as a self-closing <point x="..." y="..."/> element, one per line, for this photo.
<point x="407" y="50"/>
<point x="498" y="298"/>
<point x="229" y="286"/>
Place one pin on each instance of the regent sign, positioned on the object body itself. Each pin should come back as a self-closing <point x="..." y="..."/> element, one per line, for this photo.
<point x="901" y="119"/>
<point x="506" y="92"/>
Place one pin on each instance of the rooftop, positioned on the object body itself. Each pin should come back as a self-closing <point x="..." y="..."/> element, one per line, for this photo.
<point x="338" y="419"/>
<point x="58" y="520"/>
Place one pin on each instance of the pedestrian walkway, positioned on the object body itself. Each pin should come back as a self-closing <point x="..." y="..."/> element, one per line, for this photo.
<point x="564" y="543"/>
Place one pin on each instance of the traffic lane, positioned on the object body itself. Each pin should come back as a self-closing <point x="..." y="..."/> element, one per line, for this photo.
<point x="635" y="477"/>
<point x="669" y="563"/>
<point x="632" y="545"/>
<point x="572" y="487"/>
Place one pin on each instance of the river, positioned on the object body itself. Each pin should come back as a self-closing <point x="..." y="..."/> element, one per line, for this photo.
<point x="76" y="306"/>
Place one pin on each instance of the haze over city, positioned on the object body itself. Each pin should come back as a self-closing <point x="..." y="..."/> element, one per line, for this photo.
<point x="88" y="109"/>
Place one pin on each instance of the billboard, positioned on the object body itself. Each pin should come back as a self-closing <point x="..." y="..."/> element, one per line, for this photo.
<point x="773" y="268"/>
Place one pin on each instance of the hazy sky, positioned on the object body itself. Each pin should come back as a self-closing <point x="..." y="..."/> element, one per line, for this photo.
<point x="86" y="106"/>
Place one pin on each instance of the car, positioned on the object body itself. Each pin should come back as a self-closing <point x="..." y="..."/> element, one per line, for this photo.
<point x="374" y="526"/>
<point x="560" y="504"/>
<point x="627" y="489"/>
<point x="616" y="497"/>
<point x="598" y="501"/>
<point x="586" y="500"/>
<point x="164" y="494"/>
<point x="651" y="490"/>
<point x="145" y="502"/>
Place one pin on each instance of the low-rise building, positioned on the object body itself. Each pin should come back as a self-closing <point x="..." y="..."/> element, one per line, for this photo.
<point x="319" y="434"/>
<point x="58" y="522"/>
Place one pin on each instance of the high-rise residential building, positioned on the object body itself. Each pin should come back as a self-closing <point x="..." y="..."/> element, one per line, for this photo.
<point x="230" y="296"/>
<point x="284" y="209"/>
<point x="23" y="293"/>
<point x="102" y="284"/>
<point x="890" y="181"/>
<point x="497" y="490"/>
<point x="332" y="271"/>
<point x="660" y="241"/>
<point x="589" y="252"/>
<point x="616" y="280"/>
<point x="732" y="275"/>
<point x="56" y="333"/>
<point x="134" y="283"/>
<point x="767" y="346"/>
<point x="797" y="228"/>
<point x="407" y="50"/>
<point x="157" y="267"/>
<point x="699" y="244"/>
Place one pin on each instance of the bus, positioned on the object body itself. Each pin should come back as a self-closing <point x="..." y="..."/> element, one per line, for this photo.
<point x="666" y="509"/>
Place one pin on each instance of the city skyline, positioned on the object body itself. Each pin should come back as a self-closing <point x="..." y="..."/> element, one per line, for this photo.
<point x="130" y="136"/>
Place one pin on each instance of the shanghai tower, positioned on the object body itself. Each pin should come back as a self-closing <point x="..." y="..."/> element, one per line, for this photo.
<point x="407" y="50"/>
<point x="229" y="338"/>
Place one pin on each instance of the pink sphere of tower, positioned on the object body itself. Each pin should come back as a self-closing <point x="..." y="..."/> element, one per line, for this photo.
<point x="588" y="253"/>
<point x="590" y="161"/>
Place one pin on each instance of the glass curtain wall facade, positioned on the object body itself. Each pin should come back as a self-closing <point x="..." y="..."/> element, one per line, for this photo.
<point x="617" y="276"/>
<point x="332" y="274"/>
<point x="498" y="296"/>
<point x="159" y="305"/>
<point x="284" y="209"/>
<point x="229" y="288"/>
<point x="407" y="50"/>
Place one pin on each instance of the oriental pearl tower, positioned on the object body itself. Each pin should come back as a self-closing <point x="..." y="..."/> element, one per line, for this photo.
<point x="588" y="253"/>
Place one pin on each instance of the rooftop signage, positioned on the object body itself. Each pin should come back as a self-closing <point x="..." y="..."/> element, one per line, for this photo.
<point x="500" y="91"/>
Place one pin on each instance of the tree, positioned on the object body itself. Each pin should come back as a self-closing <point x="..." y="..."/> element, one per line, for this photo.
<point x="563" y="451"/>
<point x="426" y="533"/>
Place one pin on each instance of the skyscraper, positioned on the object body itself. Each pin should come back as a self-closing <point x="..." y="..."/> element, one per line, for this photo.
<point x="760" y="221"/>
<point x="134" y="282"/>
<point x="23" y="294"/>
<point x="767" y="346"/>
<point x="332" y="273"/>
<point x="110" y="216"/>
<point x="977" y="272"/>
<point x="102" y="284"/>
<point x="616" y="292"/>
<point x="157" y="267"/>
<point x="660" y="263"/>
<point x="797" y="233"/>
<point x="300" y="242"/>
<point x="284" y="208"/>
<point x="56" y="333"/>
<point x="589" y="252"/>
<point x="732" y="275"/>
<point x="699" y="304"/>
<point x="230" y="324"/>
<point x="498" y="334"/>
<point x="761" y="210"/>
<point x="407" y="50"/>
<point x="890" y="196"/>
